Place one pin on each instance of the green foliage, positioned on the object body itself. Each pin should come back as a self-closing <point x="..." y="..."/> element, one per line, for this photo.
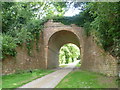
<point x="69" y="53"/>
<point x="8" y="45"/>
<point x="22" y="77"/>
<point x="83" y="20"/>
<point x="78" y="65"/>
<point x="14" y="15"/>
<point x="78" y="20"/>
<point x="59" y="6"/>
<point x="23" y="21"/>
<point x="105" y="25"/>
<point x="87" y="28"/>
<point x="101" y="20"/>
<point x="85" y="79"/>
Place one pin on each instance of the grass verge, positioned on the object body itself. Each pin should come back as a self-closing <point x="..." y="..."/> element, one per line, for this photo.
<point x="18" y="79"/>
<point x="78" y="65"/>
<point x="63" y="65"/>
<point x="85" y="79"/>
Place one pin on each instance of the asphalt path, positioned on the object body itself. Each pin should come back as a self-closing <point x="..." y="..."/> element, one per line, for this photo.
<point x="52" y="79"/>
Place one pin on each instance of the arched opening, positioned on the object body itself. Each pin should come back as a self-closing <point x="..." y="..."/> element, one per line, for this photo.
<point x="56" y="41"/>
<point x="68" y="54"/>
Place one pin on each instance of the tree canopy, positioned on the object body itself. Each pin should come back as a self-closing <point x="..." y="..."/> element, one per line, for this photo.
<point x="69" y="53"/>
<point x="22" y="22"/>
<point x="100" y="20"/>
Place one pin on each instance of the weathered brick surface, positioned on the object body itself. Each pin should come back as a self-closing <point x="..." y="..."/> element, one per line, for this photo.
<point x="54" y="36"/>
<point x="23" y="61"/>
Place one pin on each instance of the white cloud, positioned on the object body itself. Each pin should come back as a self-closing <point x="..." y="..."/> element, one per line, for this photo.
<point x="72" y="12"/>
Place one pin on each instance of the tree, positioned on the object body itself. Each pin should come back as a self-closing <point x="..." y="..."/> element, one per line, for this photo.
<point x="100" y="20"/>
<point x="23" y="21"/>
<point x="105" y="25"/>
<point x="69" y="52"/>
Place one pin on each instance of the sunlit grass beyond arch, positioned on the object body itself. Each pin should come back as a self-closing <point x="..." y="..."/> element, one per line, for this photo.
<point x="69" y="53"/>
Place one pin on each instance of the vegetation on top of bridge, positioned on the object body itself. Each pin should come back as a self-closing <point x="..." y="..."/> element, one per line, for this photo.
<point x="101" y="20"/>
<point x="23" y="22"/>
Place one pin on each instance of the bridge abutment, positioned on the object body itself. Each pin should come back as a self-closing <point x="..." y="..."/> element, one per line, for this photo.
<point x="53" y="37"/>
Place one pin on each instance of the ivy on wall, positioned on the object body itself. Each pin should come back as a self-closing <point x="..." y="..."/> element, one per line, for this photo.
<point x="22" y="22"/>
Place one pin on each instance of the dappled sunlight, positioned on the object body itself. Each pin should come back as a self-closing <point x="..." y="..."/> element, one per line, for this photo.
<point x="68" y="54"/>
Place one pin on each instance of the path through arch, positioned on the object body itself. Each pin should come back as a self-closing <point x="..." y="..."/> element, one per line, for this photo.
<point x="56" y="41"/>
<point x="93" y="58"/>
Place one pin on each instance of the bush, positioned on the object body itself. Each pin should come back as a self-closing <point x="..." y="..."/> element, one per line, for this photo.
<point x="8" y="46"/>
<point x="23" y="36"/>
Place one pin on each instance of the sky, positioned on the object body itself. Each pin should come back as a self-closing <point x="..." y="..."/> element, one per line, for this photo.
<point x="72" y="11"/>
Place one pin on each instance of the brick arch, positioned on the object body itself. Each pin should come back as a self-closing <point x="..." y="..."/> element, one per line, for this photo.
<point x="66" y="35"/>
<point x="56" y="41"/>
<point x="93" y="58"/>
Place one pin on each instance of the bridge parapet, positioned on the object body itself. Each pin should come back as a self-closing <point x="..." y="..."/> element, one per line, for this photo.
<point x="51" y="23"/>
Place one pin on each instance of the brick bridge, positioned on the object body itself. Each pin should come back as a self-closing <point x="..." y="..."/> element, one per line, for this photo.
<point x="52" y="38"/>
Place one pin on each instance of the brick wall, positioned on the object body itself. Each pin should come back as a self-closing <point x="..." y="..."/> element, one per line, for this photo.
<point x="53" y="37"/>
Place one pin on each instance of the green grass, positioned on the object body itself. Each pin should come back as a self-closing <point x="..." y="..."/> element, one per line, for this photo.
<point x="84" y="79"/>
<point x="78" y="65"/>
<point x="62" y="65"/>
<point x="17" y="80"/>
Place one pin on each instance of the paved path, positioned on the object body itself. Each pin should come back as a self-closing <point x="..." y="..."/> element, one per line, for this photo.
<point x="52" y="79"/>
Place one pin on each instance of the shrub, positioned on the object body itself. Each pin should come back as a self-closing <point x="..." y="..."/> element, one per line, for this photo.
<point x="8" y="46"/>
